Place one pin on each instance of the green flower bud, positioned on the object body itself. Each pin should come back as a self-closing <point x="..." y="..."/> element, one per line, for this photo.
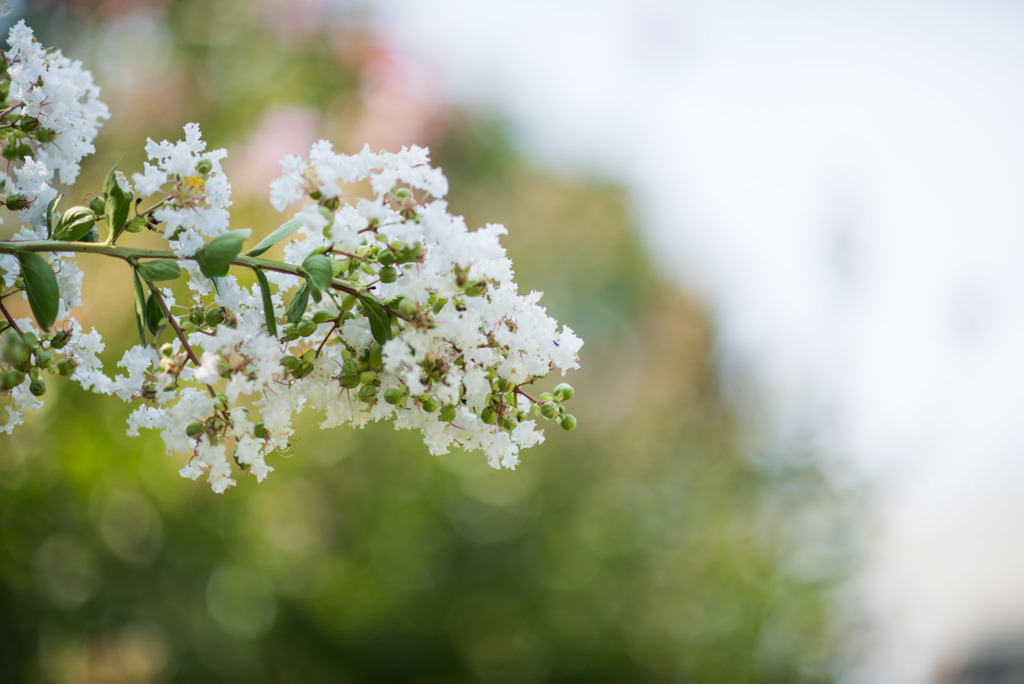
<point x="508" y="423"/>
<point x="349" y="381"/>
<point x="488" y="416"/>
<point x="349" y="367"/>
<point x="366" y="377"/>
<point x="204" y="167"/>
<point x="323" y="317"/>
<point x="194" y="429"/>
<point x="29" y="124"/>
<point x="376" y="356"/>
<point x="215" y="316"/>
<point x="43" y="359"/>
<point x="37" y="387"/>
<point x="45" y="135"/>
<point x="60" y="339"/>
<point x="30" y="340"/>
<point x="393" y="395"/>
<point x="166" y="349"/>
<point x="259" y="430"/>
<point x="188" y="327"/>
<point x="388" y="274"/>
<point x="564" y="392"/>
<point x="367" y="392"/>
<point x="402" y="193"/>
<point x="75" y="224"/>
<point x="197" y="315"/>
<point x="547" y="396"/>
<point x="306" y="327"/>
<point x="447" y="413"/>
<point x="502" y="384"/>
<point x="429" y="404"/>
<point x="569" y="422"/>
<point x="315" y="194"/>
<point x="549" y="409"/>
<point x="476" y="289"/>
<point x="15" y="202"/>
<point x="11" y="379"/>
<point x="135" y="224"/>
<point x="290" y="332"/>
<point x="408" y="308"/>
<point x="347" y="302"/>
<point x="98" y="205"/>
<point x="65" y="368"/>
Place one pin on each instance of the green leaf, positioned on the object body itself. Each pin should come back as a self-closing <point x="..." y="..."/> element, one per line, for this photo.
<point x="317" y="270"/>
<point x="281" y="233"/>
<point x="380" y="321"/>
<point x="298" y="305"/>
<point x="154" y="314"/>
<point x="49" y="214"/>
<point x="118" y="202"/>
<point x="215" y="258"/>
<point x="41" y="288"/>
<point x="268" y="304"/>
<point x="155" y="271"/>
<point x="140" y="306"/>
<point x="76" y="223"/>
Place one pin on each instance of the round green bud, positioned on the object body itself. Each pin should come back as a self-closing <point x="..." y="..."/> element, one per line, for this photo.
<point x="30" y="340"/>
<point x="508" y="423"/>
<point x="259" y="430"/>
<point x="429" y="404"/>
<point x="323" y="317"/>
<point x="46" y="135"/>
<point x="197" y="315"/>
<point x="98" y="206"/>
<point x="194" y="429"/>
<point x="15" y="202"/>
<point x="135" y="224"/>
<point x="215" y="316"/>
<point x="388" y="274"/>
<point x="43" y="359"/>
<point x="447" y="413"/>
<point x="189" y="327"/>
<point x="549" y="409"/>
<point x="408" y="308"/>
<point x="60" y="339"/>
<point x="367" y="392"/>
<point x="290" y="332"/>
<point x="488" y="416"/>
<point x="11" y="379"/>
<point x="315" y="194"/>
<point x="402" y="193"/>
<point x="347" y="302"/>
<point x="10" y="152"/>
<point x="366" y="377"/>
<point x="547" y="396"/>
<point x="476" y="289"/>
<point x="349" y="381"/>
<point x="564" y="392"/>
<point x="569" y="422"/>
<point x="393" y="395"/>
<point x="204" y="167"/>
<point x="65" y="368"/>
<point x="502" y="384"/>
<point x="349" y="367"/>
<point x="37" y="387"/>
<point x="306" y="327"/>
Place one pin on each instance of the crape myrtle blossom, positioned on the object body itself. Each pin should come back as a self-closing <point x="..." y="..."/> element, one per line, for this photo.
<point x="386" y="307"/>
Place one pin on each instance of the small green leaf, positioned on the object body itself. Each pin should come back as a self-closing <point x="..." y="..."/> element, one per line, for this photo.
<point x="140" y="306"/>
<point x="163" y="269"/>
<point x="268" y="304"/>
<point x="49" y="214"/>
<point x="75" y="224"/>
<point x="281" y="233"/>
<point x="298" y="305"/>
<point x="380" y="322"/>
<point x="215" y="258"/>
<point x="154" y="314"/>
<point x="118" y="202"/>
<point x="317" y="270"/>
<point x="41" y="288"/>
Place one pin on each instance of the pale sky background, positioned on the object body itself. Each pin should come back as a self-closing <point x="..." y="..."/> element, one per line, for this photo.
<point x="842" y="183"/>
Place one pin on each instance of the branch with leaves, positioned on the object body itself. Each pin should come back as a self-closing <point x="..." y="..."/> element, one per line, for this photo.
<point x="383" y="307"/>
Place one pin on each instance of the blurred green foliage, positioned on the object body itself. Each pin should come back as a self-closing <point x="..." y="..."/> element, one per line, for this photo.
<point x="645" y="546"/>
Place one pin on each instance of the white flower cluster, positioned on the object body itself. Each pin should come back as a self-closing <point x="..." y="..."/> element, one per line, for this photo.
<point x="387" y="306"/>
<point x="58" y="96"/>
<point x="197" y="202"/>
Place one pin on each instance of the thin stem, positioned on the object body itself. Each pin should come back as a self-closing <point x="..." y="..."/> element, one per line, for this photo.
<point x="179" y="332"/>
<point x="130" y="253"/>
<point x="10" y="319"/>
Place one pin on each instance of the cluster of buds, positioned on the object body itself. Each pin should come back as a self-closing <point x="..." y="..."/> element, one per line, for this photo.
<point x="24" y="356"/>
